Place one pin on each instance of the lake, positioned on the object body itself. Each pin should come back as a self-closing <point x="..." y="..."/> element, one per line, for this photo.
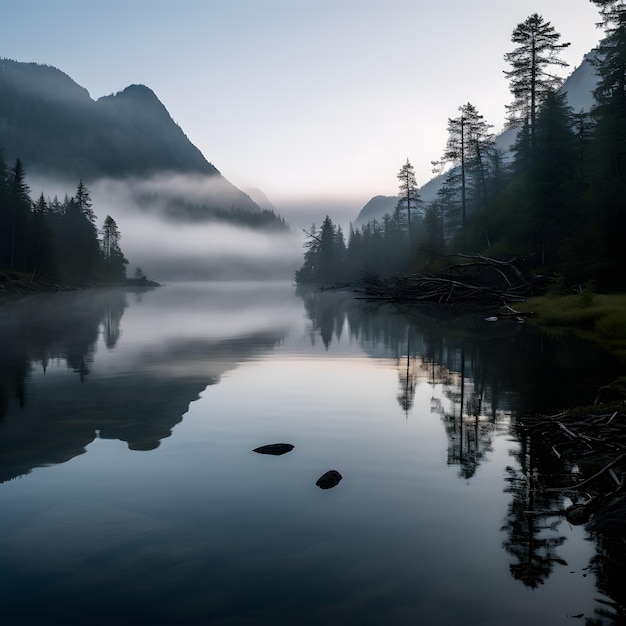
<point x="131" y="492"/>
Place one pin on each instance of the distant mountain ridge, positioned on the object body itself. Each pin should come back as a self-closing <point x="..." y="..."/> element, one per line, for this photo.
<point x="54" y="126"/>
<point x="579" y="87"/>
<point x="376" y="208"/>
<point x="260" y="198"/>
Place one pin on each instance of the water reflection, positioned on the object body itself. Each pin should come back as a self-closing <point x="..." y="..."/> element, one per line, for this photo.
<point x="391" y="541"/>
<point x="407" y="377"/>
<point x="532" y="528"/>
<point x="489" y="377"/>
<point x="505" y="366"/>
<point x="609" y="566"/>
<point x="53" y="342"/>
<point x="485" y="372"/>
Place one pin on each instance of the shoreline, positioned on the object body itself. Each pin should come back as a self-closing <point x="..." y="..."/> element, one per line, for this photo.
<point x="20" y="284"/>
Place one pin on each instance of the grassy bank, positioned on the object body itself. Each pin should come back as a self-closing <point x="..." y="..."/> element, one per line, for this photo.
<point x="598" y="317"/>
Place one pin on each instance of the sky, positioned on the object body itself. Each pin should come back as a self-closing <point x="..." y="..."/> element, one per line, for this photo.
<point x="316" y="103"/>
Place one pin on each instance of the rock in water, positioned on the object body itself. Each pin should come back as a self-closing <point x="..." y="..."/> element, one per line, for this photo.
<point x="577" y="514"/>
<point x="329" y="480"/>
<point x="274" y="448"/>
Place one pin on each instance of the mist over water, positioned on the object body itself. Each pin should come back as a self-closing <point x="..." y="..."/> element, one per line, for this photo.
<point x="171" y="249"/>
<point x="206" y="251"/>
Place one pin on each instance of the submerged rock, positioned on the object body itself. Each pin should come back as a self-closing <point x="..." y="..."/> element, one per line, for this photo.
<point x="329" y="480"/>
<point x="275" y="449"/>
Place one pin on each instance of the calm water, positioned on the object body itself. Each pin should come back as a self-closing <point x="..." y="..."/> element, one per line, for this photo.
<point x="130" y="492"/>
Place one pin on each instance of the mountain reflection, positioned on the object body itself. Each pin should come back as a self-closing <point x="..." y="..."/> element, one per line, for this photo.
<point x="126" y="366"/>
<point x="50" y="348"/>
<point x="36" y="331"/>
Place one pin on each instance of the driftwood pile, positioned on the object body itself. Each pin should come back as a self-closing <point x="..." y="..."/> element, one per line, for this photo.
<point x="591" y="445"/>
<point x="418" y="287"/>
<point x="476" y="280"/>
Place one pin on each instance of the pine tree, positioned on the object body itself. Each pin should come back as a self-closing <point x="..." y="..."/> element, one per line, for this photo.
<point x="537" y="49"/>
<point x="114" y="261"/>
<point x="552" y="175"/>
<point x="79" y="248"/>
<point x="434" y="226"/>
<point x="610" y="92"/>
<point x="449" y="205"/>
<point x="83" y="201"/>
<point x="19" y="206"/>
<point x="355" y="255"/>
<point x="408" y="192"/>
<point x="609" y="141"/>
<point x="42" y="254"/>
<point x="612" y="12"/>
<point x="325" y="256"/>
<point x="306" y="274"/>
<point x="329" y="253"/>
<point x="467" y="149"/>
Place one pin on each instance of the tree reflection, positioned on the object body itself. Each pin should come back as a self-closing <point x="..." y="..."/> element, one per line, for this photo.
<point x="531" y="526"/>
<point x="453" y="354"/>
<point x="54" y="327"/>
<point x="111" y="321"/>
<point x="327" y="313"/>
<point x="140" y="403"/>
<point x="609" y="566"/>
<point x="14" y="370"/>
<point x="470" y="431"/>
<point x="407" y="377"/>
<point x="483" y="377"/>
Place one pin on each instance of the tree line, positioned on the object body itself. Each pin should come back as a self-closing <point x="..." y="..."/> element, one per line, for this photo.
<point x="56" y="239"/>
<point x="556" y="202"/>
<point x="180" y="209"/>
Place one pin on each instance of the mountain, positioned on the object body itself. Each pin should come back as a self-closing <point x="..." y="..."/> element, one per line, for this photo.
<point x="58" y="131"/>
<point x="579" y="87"/>
<point x="260" y="198"/>
<point x="376" y="209"/>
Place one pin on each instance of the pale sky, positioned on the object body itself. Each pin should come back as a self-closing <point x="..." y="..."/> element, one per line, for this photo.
<point x="308" y="100"/>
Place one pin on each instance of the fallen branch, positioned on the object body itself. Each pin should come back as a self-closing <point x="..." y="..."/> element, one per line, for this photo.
<point x="589" y="480"/>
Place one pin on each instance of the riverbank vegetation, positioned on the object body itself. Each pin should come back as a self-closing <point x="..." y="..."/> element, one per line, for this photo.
<point x="554" y="205"/>
<point x="545" y="219"/>
<point x="599" y="317"/>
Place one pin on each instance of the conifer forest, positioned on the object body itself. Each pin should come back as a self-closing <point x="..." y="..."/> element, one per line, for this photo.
<point x="555" y="204"/>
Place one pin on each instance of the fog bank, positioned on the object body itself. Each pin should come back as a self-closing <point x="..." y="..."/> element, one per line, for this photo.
<point x="168" y="249"/>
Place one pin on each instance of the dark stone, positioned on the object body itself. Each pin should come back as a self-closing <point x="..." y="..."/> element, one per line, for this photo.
<point x="578" y="514"/>
<point x="275" y="449"/>
<point x="329" y="480"/>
